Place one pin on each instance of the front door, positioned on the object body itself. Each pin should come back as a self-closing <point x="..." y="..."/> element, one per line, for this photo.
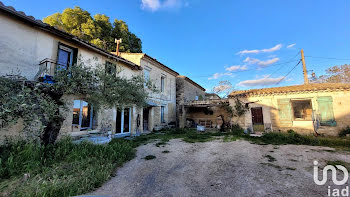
<point x="145" y="119"/>
<point x="257" y="119"/>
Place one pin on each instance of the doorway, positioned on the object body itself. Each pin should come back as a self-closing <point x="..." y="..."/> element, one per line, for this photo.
<point x="145" y="118"/>
<point x="257" y="119"/>
<point x="123" y="121"/>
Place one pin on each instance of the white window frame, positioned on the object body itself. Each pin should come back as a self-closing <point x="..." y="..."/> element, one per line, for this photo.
<point x="81" y="114"/>
<point x="122" y="121"/>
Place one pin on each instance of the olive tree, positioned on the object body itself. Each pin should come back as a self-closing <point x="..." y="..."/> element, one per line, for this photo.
<point x="34" y="101"/>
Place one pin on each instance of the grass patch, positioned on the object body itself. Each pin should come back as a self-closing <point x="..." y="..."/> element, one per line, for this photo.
<point x="273" y="165"/>
<point x="165" y="151"/>
<point x="270" y="158"/>
<point x="338" y="162"/>
<point x="160" y="144"/>
<point x="149" y="157"/>
<point x="297" y="139"/>
<point x="62" y="169"/>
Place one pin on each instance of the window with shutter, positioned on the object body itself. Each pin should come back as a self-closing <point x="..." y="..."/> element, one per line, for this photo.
<point x="325" y="109"/>
<point x="285" y="112"/>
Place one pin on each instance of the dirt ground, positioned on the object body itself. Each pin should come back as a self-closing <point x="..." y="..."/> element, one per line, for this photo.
<point x="218" y="168"/>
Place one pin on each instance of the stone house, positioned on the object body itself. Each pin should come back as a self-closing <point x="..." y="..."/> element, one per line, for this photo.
<point x="322" y="108"/>
<point x="161" y="110"/>
<point x="35" y="50"/>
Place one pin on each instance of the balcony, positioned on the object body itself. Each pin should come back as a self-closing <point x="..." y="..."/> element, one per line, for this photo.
<point x="47" y="68"/>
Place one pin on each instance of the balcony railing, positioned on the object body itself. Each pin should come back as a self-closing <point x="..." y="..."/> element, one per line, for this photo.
<point x="47" y="68"/>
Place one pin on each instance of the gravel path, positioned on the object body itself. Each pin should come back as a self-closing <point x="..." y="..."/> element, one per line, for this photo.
<point x="220" y="168"/>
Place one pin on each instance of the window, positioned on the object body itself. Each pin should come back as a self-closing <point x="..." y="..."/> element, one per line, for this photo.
<point x="162" y="109"/>
<point x="146" y="73"/>
<point x="110" y="68"/>
<point x="123" y="121"/>
<point x="162" y="78"/>
<point x="64" y="57"/>
<point x="82" y="114"/>
<point x="302" y="109"/>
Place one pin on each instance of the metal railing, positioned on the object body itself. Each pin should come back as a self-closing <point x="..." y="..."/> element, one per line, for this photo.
<point x="47" y="67"/>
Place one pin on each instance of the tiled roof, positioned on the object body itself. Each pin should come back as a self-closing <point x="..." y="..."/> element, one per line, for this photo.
<point x="153" y="59"/>
<point x="53" y="30"/>
<point x="312" y="87"/>
<point x="192" y="82"/>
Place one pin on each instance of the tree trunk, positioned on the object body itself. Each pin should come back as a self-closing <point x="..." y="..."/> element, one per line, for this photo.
<point x="222" y="128"/>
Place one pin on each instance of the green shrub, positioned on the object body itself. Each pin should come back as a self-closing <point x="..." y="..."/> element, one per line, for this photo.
<point x="61" y="169"/>
<point x="237" y="130"/>
<point x="344" y="131"/>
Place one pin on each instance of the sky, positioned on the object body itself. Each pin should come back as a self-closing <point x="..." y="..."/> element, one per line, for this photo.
<point x="250" y="43"/>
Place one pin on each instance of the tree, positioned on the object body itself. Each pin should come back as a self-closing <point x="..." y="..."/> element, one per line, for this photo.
<point x="335" y="74"/>
<point x="224" y="88"/>
<point x="35" y="101"/>
<point x="97" y="30"/>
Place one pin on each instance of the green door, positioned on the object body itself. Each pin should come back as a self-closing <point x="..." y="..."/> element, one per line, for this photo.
<point x="325" y="109"/>
<point x="285" y="112"/>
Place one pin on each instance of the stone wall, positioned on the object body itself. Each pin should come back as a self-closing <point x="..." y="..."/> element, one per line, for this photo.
<point x="269" y="104"/>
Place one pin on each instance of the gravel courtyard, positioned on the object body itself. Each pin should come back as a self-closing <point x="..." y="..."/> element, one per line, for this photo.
<point x="218" y="168"/>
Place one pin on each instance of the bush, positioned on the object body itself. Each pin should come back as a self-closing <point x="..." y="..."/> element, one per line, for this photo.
<point x="61" y="169"/>
<point x="344" y="131"/>
<point x="237" y="130"/>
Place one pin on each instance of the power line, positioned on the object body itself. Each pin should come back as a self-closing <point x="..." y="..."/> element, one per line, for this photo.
<point x="288" y="73"/>
<point x="331" y="58"/>
<point x="282" y="66"/>
<point x="282" y="63"/>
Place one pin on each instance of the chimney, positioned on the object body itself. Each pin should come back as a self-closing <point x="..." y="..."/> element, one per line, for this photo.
<point x="118" y="42"/>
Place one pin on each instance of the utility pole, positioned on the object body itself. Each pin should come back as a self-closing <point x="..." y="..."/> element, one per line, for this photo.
<point x="306" y="79"/>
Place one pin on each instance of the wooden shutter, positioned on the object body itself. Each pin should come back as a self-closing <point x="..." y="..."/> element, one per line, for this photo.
<point x="325" y="109"/>
<point x="285" y="112"/>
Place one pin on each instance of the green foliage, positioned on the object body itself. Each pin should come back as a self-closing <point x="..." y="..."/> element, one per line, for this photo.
<point x="295" y="138"/>
<point x="237" y="130"/>
<point x="39" y="101"/>
<point x="61" y="169"/>
<point x="98" y="29"/>
<point x="28" y="102"/>
<point x="150" y="157"/>
<point x="344" y="131"/>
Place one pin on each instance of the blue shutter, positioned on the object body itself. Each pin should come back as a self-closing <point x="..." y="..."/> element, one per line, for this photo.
<point x="285" y="112"/>
<point x="325" y="109"/>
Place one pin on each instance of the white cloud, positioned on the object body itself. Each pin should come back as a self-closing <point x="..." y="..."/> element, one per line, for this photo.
<point x="261" y="63"/>
<point x="236" y="67"/>
<point x="150" y="4"/>
<point x="291" y="46"/>
<point x="255" y="51"/>
<point x="218" y="75"/>
<point x="155" y="5"/>
<point x="260" y="82"/>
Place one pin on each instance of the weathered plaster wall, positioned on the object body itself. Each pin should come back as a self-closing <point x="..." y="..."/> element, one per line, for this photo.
<point x="341" y="110"/>
<point x="22" y="47"/>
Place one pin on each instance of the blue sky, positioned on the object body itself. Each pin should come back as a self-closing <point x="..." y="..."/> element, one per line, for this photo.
<point x="242" y="41"/>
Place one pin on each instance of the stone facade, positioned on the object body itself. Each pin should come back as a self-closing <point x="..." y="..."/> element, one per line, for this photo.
<point x="165" y="98"/>
<point x="275" y="113"/>
<point x="186" y="91"/>
<point x="41" y="44"/>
